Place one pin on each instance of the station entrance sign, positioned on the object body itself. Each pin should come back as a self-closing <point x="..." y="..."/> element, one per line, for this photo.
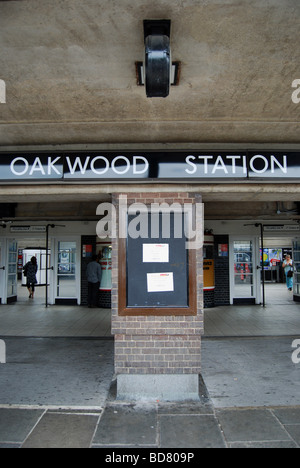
<point x="152" y="165"/>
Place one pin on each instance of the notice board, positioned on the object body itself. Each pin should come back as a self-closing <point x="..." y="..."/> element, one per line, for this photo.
<point x="157" y="274"/>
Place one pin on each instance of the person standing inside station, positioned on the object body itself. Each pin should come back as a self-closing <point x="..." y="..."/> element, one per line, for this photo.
<point x="289" y="272"/>
<point x="30" y="271"/>
<point x="94" y="275"/>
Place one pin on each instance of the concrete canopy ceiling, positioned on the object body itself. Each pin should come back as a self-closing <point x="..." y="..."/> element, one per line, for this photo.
<point x="69" y="69"/>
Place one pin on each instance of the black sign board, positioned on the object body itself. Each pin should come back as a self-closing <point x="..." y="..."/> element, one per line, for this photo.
<point x="153" y="165"/>
<point x="157" y="273"/>
<point x="157" y="270"/>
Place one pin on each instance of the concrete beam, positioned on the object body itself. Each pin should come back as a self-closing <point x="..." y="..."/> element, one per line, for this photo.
<point x="98" y="193"/>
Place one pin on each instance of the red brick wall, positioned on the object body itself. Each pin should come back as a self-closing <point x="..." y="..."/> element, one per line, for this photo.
<point x="151" y="344"/>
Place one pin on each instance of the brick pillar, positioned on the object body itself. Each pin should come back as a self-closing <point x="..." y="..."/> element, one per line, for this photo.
<point x="157" y="356"/>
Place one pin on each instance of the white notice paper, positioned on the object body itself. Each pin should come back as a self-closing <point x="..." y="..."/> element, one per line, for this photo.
<point x="160" y="282"/>
<point x="155" y="253"/>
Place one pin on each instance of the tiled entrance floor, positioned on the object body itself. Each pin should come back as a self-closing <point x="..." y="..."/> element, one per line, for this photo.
<point x="281" y="317"/>
<point x="33" y="319"/>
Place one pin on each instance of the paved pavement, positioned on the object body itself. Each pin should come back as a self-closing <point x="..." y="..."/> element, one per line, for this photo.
<point x="251" y="372"/>
<point x="152" y="426"/>
<point x="62" y="393"/>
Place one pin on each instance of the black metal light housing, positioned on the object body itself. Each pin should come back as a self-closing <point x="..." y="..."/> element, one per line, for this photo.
<point x="157" y="57"/>
<point x="8" y="210"/>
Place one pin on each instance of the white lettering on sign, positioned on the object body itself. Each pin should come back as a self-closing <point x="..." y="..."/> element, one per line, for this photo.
<point x="137" y="166"/>
<point x="101" y="171"/>
<point x="21" y="167"/>
<point x="137" y="160"/>
<point x="78" y="163"/>
<point x="51" y="166"/>
<point x="2" y="352"/>
<point x="21" y="170"/>
<point x="120" y="165"/>
<point x="296" y="94"/>
<point x="228" y="165"/>
<point x="268" y="165"/>
<point x="2" y="92"/>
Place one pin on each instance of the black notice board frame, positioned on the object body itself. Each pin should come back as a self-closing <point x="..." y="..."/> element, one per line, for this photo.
<point x="134" y="297"/>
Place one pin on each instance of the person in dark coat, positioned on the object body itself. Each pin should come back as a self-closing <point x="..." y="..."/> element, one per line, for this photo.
<point x="94" y="275"/>
<point x="30" y="270"/>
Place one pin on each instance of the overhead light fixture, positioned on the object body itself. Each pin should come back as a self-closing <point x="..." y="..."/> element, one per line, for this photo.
<point x="157" y="64"/>
<point x="174" y="78"/>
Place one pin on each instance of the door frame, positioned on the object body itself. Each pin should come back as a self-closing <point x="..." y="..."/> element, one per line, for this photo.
<point x="53" y="299"/>
<point x="5" y="299"/>
<point x="3" y="275"/>
<point x="256" y="263"/>
<point x="13" y="298"/>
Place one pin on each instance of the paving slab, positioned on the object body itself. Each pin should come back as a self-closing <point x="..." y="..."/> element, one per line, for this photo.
<point x="288" y="416"/>
<point x="190" y="431"/>
<point x="185" y="408"/>
<point x="124" y="425"/>
<point x="127" y="425"/>
<point x="263" y="445"/>
<point x="252" y="425"/>
<point x="16" y="423"/>
<point x="294" y="432"/>
<point x="61" y="430"/>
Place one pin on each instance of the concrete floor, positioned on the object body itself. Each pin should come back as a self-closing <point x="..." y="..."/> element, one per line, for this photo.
<point x="250" y="372"/>
<point x="28" y="318"/>
<point x="57" y="386"/>
<point x="60" y="393"/>
<point x="34" y="320"/>
<point x="59" y="372"/>
<point x="280" y="317"/>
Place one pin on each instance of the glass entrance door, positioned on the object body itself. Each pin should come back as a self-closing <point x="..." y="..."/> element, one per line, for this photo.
<point x="244" y="271"/>
<point x="2" y="271"/>
<point x="67" y="272"/>
<point x="8" y="270"/>
<point x="12" y="270"/>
